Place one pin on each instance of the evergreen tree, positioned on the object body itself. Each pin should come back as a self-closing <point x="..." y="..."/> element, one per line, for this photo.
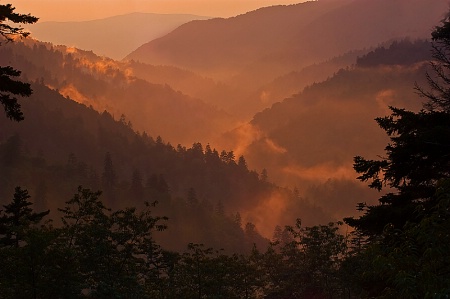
<point x="17" y="218"/>
<point x="406" y="235"/>
<point x="417" y="156"/>
<point x="9" y="86"/>
<point x="242" y="163"/>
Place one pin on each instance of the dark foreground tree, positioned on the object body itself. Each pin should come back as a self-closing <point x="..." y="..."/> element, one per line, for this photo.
<point x="17" y="218"/>
<point x="418" y="155"/>
<point x="24" y="258"/>
<point x="10" y="87"/>
<point x="407" y="233"/>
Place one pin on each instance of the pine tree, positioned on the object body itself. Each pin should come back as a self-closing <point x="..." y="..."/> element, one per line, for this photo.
<point x="417" y="156"/>
<point x="9" y="86"/>
<point x="17" y="218"/>
<point x="406" y="235"/>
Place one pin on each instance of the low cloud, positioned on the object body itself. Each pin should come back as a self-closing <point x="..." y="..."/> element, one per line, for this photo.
<point x="321" y="172"/>
<point x="274" y="147"/>
<point x="384" y="99"/>
<point x="267" y="214"/>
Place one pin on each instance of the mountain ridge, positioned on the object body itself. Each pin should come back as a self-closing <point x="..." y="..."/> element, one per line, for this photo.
<point x="263" y="44"/>
<point x="114" y="36"/>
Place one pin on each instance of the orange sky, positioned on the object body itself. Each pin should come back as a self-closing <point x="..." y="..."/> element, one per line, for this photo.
<point x="78" y="10"/>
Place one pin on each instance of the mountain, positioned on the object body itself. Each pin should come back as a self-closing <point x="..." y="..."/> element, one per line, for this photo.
<point x="222" y="45"/>
<point x="208" y="194"/>
<point x="254" y="48"/>
<point x="309" y="140"/>
<point x="114" y="37"/>
<point x="109" y="85"/>
<point x="293" y="82"/>
<point x="259" y="58"/>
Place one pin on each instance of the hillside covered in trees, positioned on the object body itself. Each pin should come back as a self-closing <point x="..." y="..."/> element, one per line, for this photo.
<point x="93" y="207"/>
<point x="63" y="144"/>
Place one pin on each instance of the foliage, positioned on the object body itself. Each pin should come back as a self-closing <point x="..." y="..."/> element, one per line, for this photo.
<point x="99" y="253"/>
<point x="9" y="87"/>
<point x="24" y="262"/>
<point x="308" y="265"/>
<point x="407" y="234"/>
<point x="402" y="52"/>
<point x="417" y="156"/>
<point x="17" y="218"/>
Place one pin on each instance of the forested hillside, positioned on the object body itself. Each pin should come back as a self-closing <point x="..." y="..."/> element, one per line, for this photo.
<point x="311" y="137"/>
<point x="261" y="45"/>
<point x="95" y="202"/>
<point x="108" y="85"/>
<point x="62" y="144"/>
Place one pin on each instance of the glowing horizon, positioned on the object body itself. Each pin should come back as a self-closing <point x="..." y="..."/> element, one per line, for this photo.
<point x="83" y="10"/>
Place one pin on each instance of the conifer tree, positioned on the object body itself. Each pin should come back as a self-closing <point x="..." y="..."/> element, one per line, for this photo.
<point x="9" y="86"/>
<point x="417" y="156"/>
<point x="17" y="218"/>
<point x="406" y="235"/>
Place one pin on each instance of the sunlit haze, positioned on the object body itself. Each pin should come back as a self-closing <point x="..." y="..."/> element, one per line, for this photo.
<point x="224" y="148"/>
<point x="81" y="10"/>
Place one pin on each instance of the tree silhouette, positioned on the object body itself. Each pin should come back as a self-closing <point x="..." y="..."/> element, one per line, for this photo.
<point x="405" y="232"/>
<point x="417" y="155"/>
<point x="9" y="86"/>
<point x="17" y="219"/>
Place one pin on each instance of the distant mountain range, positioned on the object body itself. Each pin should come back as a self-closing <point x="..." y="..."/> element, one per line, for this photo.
<point x="114" y="37"/>
<point x="256" y="47"/>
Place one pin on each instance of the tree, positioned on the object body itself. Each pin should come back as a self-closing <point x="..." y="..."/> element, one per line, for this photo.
<point x="407" y="233"/>
<point x="17" y="218"/>
<point x="242" y="163"/>
<point x="439" y="96"/>
<point x="10" y="87"/>
<point x="24" y="248"/>
<point x="417" y="156"/>
<point x="114" y="254"/>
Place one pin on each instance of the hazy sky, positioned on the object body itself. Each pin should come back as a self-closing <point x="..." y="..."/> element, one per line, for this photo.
<point x="78" y="10"/>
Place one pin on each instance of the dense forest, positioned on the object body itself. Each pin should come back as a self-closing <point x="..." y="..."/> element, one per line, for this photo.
<point x="92" y="207"/>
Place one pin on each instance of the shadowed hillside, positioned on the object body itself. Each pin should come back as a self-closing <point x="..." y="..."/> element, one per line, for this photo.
<point x="62" y="144"/>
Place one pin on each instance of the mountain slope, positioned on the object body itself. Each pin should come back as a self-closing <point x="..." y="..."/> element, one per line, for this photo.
<point x="62" y="144"/>
<point x="222" y="45"/>
<point x="114" y="37"/>
<point x="312" y="137"/>
<point x="269" y="42"/>
<point x="108" y="85"/>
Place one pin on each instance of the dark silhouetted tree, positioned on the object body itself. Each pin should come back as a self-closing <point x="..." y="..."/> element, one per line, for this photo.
<point x="405" y="232"/>
<point x="417" y="156"/>
<point x="9" y="86"/>
<point x="17" y="218"/>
